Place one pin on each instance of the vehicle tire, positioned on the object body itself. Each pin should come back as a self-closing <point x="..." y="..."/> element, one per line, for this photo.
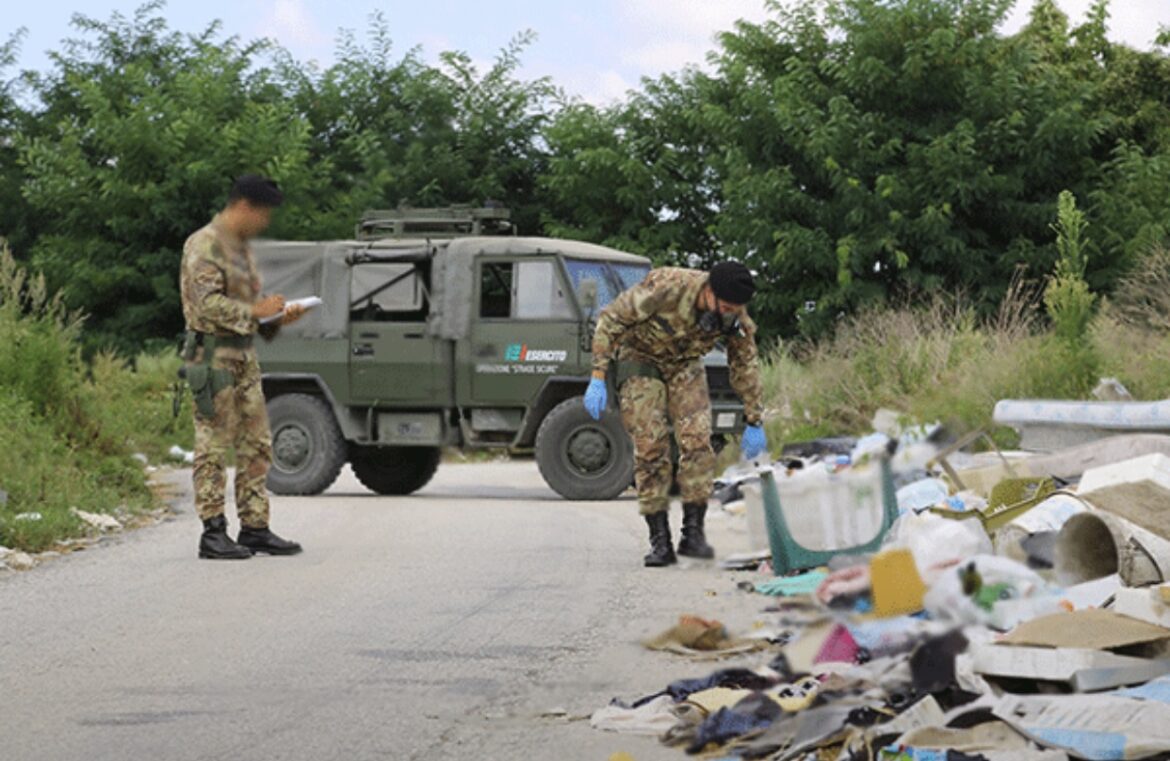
<point x="308" y="449"/>
<point x="582" y="458"/>
<point x="395" y="470"/>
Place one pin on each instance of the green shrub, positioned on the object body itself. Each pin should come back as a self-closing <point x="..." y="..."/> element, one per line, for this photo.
<point x="1067" y="297"/>
<point x="67" y="430"/>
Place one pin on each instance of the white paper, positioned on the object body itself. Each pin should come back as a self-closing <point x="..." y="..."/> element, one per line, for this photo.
<point x="1096" y="727"/>
<point x="308" y="302"/>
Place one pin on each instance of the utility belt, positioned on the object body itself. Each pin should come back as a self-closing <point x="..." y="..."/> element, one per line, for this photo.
<point x="626" y="369"/>
<point x="204" y="380"/>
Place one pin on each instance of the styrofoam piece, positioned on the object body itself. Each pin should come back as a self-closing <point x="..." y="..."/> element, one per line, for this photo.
<point x="1092" y="594"/>
<point x="1086" y="670"/>
<point x="1137" y="490"/>
<point x="1144" y="604"/>
<point x="1152" y="467"/>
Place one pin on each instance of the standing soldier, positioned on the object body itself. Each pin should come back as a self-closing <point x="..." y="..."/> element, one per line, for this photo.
<point x="223" y="310"/>
<point x="657" y="334"/>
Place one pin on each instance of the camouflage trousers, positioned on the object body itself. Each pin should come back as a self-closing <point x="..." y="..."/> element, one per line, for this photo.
<point x="651" y="409"/>
<point x="240" y="423"/>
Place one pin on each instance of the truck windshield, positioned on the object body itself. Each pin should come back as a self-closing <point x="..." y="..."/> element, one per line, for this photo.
<point x="612" y="278"/>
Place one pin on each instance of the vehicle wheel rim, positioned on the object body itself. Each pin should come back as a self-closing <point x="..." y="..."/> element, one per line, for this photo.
<point x="588" y="451"/>
<point x="291" y="447"/>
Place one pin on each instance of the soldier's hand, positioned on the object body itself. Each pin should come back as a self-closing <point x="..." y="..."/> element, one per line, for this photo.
<point x="293" y="313"/>
<point x="754" y="442"/>
<point x="595" y="398"/>
<point x="268" y="306"/>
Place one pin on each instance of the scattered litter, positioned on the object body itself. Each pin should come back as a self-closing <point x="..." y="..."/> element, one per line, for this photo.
<point x="98" y="520"/>
<point x="744" y="561"/>
<point x="1145" y="604"/>
<point x="1095" y="544"/>
<point x="1137" y="490"/>
<point x="1098" y="727"/>
<point x="1094" y="594"/>
<point x="910" y="623"/>
<point x="922" y="494"/>
<point x="991" y="591"/>
<point x="897" y="587"/>
<point x="140" y="458"/>
<point x="27" y="517"/>
<point x="936" y="542"/>
<point x="1094" y="629"/>
<point x="1086" y="670"/>
<point x="176" y="452"/>
<point x="788" y="586"/>
<point x="650" y="718"/>
<point x="702" y="637"/>
<point x="1111" y="390"/>
<point x="20" y="561"/>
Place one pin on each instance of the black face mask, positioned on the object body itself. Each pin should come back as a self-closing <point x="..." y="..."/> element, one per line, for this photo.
<point x="711" y="321"/>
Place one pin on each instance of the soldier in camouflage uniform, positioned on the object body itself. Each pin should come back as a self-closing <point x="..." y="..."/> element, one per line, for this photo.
<point x="223" y="309"/>
<point x="657" y="333"/>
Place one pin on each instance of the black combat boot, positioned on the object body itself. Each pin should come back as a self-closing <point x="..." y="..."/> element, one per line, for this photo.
<point x="661" y="551"/>
<point x="693" y="543"/>
<point x="215" y="543"/>
<point x="263" y="540"/>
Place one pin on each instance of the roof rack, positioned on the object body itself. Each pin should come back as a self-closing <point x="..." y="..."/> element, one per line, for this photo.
<point x="441" y="222"/>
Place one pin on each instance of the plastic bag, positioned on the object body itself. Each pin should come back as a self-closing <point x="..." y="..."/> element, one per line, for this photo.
<point x="937" y="542"/>
<point x="991" y="591"/>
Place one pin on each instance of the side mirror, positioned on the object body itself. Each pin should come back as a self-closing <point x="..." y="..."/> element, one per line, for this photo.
<point x="587" y="294"/>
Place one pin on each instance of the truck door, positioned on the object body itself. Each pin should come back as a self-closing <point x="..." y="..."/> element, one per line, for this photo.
<point x="524" y="331"/>
<point x="392" y="358"/>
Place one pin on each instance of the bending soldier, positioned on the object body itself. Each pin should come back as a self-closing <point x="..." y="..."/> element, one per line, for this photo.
<point x="656" y="334"/>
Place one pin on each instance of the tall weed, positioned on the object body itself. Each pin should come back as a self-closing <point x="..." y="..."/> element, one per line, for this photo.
<point x="66" y="433"/>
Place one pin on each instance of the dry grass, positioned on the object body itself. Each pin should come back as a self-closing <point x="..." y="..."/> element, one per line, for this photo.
<point x="934" y="361"/>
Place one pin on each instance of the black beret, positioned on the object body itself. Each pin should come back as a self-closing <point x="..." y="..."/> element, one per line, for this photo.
<point x="732" y="282"/>
<point x="257" y="190"/>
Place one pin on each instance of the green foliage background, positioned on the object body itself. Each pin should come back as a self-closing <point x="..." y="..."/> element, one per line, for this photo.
<point x="855" y="152"/>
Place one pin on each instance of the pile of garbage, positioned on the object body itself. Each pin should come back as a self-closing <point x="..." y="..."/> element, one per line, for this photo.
<point x="928" y="605"/>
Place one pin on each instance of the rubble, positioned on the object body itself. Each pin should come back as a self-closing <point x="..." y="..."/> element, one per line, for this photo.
<point x="98" y="520"/>
<point x="20" y="561"/>
<point x="1019" y="615"/>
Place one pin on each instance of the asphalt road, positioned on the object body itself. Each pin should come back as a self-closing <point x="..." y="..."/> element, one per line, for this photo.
<point x="437" y="626"/>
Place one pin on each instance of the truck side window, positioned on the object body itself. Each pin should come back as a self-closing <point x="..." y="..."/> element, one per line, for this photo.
<point x="539" y="293"/>
<point x="495" y="289"/>
<point x="388" y="292"/>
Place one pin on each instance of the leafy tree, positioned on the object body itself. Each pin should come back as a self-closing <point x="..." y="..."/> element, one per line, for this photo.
<point x="14" y="214"/>
<point x="386" y="132"/>
<point x="862" y="151"/>
<point x="143" y="129"/>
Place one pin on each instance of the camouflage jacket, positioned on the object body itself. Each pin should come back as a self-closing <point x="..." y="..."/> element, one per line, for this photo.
<point x="219" y="284"/>
<point x="656" y="322"/>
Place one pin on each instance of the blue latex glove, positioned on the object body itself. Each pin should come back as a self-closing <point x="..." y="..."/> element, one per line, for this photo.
<point x="754" y="442"/>
<point x="595" y="398"/>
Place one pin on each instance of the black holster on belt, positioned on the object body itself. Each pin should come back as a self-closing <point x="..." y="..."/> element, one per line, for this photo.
<point x="204" y="380"/>
<point x="626" y="369"/>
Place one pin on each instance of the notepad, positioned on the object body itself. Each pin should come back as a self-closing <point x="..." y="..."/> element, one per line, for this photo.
<point x="308" y="302"/>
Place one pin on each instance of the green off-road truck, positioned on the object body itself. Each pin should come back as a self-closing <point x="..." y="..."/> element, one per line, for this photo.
<point x="439" y="329"/>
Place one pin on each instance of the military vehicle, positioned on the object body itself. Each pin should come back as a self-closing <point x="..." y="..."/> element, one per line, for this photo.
<point x="438" y="329"/>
